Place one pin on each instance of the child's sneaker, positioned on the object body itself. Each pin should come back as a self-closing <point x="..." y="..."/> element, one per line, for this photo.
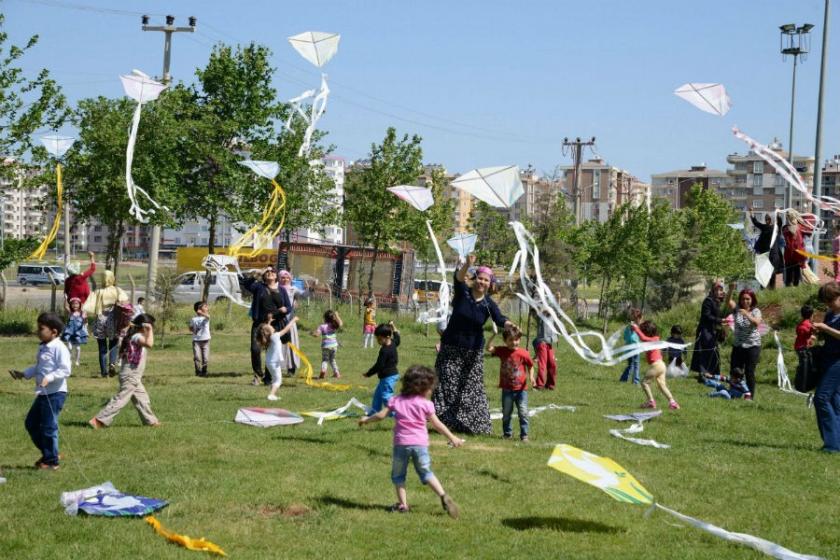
<point x="650" y="404"/>
<point x="674" y="405"/>
<point x="46" y="467"/>
<point x="95" y="423"/>
<point x="398" y="508"/>
<point x="450" y="506"/>
<point x="524" y="439"/>
<point x="507" y="436"/>
<point x="273" y="397"/>
<point x="256" y="382"/>
<point x="336" y="375"/>
<point x="323" y="375"/>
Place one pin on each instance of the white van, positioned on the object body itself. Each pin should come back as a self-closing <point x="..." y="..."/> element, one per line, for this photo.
<point x="35" y="274"/>
<point x="190" y="286"/>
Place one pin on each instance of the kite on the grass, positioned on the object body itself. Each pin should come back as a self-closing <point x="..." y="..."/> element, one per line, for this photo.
<point x="498" y="186"/>
<point x="274" y="213"/>
<point x="340" y="412"/>
<point x="463" y="244"/>
<point x="200" y="545"/>
<point x="107" y="501"/>
<point x="266" y="417"/>
<point x="711" y="98"/>
<point x="141" y="88"/>
<point x="317" y="47"/>
<point x="419" y="197"/>
<point x="496" y="413"/>
<point x="610" y="477"/>
<point x="226" y="279"/>
<point x="57" y="146"/>
<point x="311" y="115"/>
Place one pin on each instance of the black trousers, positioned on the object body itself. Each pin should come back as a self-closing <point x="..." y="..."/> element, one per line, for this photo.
<point x="746" y="359"/>
<point x="793" y="275"/>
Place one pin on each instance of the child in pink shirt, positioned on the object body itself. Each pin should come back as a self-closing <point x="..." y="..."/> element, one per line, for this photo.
<point x="412" y="409"/>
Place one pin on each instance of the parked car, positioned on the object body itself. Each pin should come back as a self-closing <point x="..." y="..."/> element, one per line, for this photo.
<point x="427" y="290"/>
<point x="190" y="285"/>
<point x="35" y="274"/>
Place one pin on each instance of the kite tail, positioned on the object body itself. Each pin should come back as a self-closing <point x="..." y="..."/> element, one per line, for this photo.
<point x="308" y="374"/>
<point x="189" y="543"/>
<point x="756" y="543"/>
<point x="442" y="310"/>
<point x="263" y="230"/>
<point x="41" y="251"/>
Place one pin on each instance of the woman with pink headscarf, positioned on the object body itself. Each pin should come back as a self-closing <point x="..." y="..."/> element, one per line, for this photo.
<point x="292" y="360"/>
<point x="459" y="398"/>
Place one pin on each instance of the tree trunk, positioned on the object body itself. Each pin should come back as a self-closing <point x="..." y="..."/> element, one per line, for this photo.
<point x="118" y="245"/>
<point x="601" y="297"/>
<point x="211" y="250"/>
<point x="644" y="294"/>
<point x="371" y="271"/>
<point x="607" y="306"/>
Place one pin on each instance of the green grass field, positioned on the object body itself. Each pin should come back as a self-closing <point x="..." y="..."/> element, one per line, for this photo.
<point x="311" y="491"/>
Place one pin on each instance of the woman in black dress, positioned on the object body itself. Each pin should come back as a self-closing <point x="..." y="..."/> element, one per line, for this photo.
<point x="459" y="398"/>
<point x="270" y="304"/>
<point x="705" y="357"/>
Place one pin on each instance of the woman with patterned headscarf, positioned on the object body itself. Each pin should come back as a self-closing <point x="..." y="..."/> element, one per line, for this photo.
<point x="459" y="398"/>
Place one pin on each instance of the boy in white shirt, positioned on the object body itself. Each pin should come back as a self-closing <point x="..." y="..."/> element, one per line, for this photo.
<point x="50" y="372"/>
<point x="200" y="327"/>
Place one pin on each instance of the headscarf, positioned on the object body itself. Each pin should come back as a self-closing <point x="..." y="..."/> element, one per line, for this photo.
<point x="73" y="268"/>
<point x="484" y="270"/>
<point x="288" y="287"/>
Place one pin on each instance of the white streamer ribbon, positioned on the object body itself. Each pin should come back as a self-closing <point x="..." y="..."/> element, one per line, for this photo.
<point x="314" y="114"/>
<point x="756" y="543"/>
<point x="337" y="413"/>
<point x="638" y="428"/>
<point x="442" y="311"/>
<point x="224" y="278"/>
<point x="496" y="413"/>
<point x="133" y="189"/>
<point x="782" y="379"/>
<point x="538" y="296"/>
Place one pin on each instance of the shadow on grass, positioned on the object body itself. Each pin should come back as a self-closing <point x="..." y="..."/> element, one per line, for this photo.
<point x="563" y="524"/>
<point x="760" y="445"/>
<point x="373" y="452"/>
<point x="305" y="439"/>
<point x="494" y="476"/>
<point x="226" y="374"/>
<point x="348" y="504"/>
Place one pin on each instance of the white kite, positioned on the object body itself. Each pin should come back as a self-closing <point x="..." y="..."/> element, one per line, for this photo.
<point x="316" y="46"/>
<point x="266" y="417"/>
<point x="142" y="89"/>
<point x="499" y="186"/>
<point x="419" y="197"/>
<point x="711" y="98"/>
<point x="311" y="115"/>
<point x="57" y="145"/>
<point x="226" y="279"/>
<point x="463" y="244"/>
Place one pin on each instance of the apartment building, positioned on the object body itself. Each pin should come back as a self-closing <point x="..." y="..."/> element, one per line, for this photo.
<point x="675" y="186"/>
<point x="603" y="188"/>
<point x="538" y="191"/>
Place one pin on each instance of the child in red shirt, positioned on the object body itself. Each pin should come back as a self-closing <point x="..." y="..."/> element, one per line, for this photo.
<point x="648" y="332"/>
<point x="515" y="363"/>
<point x="805" y="339"/>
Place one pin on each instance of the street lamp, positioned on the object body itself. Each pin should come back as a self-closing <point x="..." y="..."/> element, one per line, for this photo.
<point x="794" y="41"/>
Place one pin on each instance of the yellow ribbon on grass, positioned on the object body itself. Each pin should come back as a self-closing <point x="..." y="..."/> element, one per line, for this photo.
<point x="41" y="251"/>
<point x="276" y="207"/>
<point x="189" y="543"/>
<point x="308" y="374"/>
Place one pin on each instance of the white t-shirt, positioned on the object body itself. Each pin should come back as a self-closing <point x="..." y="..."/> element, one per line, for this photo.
<point x="200" y="327"/>
<point x="275" y="355"/>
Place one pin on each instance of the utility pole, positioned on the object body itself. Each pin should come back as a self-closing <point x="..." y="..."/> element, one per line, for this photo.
<point x="67" y="241"/>
<point x="818" y="143"/>
<point x="168" y="30"/>
<point x="576" y="148"/>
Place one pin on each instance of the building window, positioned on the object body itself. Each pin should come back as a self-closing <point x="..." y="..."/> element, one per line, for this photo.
<point x="596" y="184"/>
<point x="758" y="203"/>
<point x="778" y="181"/>
<point x="758" y="167"/>
<point x="758" y="180"/>
<point x="780" y="203"/>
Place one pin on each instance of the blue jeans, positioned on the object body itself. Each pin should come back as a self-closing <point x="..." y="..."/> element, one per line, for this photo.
<point x="419" y="455"/>
<point x="42" y="425"/>
<point x="633" y="365"/>
<point x="384" y="391"/>
<point x="520" y="399"/>
<point x="107" y="354"/>
<point x="827" y="405"/>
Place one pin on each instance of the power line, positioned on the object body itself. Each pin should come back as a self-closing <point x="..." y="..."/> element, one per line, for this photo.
<point x="88" y="8"/>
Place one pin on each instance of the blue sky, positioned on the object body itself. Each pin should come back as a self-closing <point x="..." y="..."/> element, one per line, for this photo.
<point x="483" y="82"/>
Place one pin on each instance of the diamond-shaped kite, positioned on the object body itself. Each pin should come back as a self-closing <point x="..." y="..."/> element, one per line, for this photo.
<point x="499" y="187"/>
<point x="317" y="47"/>
<point x="463" y="244"/>
<point x="711" y="98"/>
<point x="419" y="197"/>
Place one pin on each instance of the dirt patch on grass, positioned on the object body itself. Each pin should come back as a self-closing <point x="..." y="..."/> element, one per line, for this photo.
<point x="289" y="512"/>
<point x="473" y="446"/>
<point x="772" y="314"/>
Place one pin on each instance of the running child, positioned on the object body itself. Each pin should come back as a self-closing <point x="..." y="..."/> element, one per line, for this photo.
<point x="51" y="370"/>
<point x="369" y="325"/>
<point x="329" y="342"/>
<point x="630" y="337"/>
<point x="385" y="368"/>
<point x="133" y="352"/>
<point x="515" y="364"/>
<point x="275" y="355"/>
<point x="412" y="409"/>
<point x="200" y="329"/>
<point x="648" y="332"/>
<point x="75" y="331"/>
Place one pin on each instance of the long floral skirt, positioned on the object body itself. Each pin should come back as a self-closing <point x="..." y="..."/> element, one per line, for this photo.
<point x="459" y="398"/>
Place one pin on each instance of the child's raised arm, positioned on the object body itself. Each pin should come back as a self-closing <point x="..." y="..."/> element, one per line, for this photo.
<point x="147" y="339"/>
<point x="441" y="428"/>
<point x="339" y="321"/>
<point x="375" y="417"/>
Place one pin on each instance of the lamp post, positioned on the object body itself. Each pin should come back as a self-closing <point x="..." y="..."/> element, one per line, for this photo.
<point x="794" y="41"/>
<point x="818" y="142"/>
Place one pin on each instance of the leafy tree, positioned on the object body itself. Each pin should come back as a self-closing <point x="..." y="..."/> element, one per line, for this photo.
<point x="13" y="250"/>
<point x="377" y="216"/>
<point x="496" y="244"/>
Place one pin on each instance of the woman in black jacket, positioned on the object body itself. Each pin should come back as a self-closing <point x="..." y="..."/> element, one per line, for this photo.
<point x="270" y="304"/>
<point x="705" y="357"/>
